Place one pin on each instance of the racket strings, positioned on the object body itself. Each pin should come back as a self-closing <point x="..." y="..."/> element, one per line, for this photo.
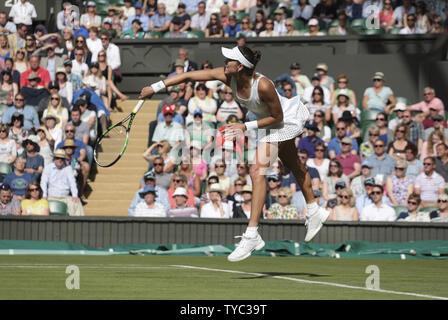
<point x="111" y="145"/>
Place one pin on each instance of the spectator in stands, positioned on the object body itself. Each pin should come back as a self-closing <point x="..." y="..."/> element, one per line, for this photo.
<point x="429" y="184"/>
<point x="127" y="10"/>
<point x="383" y="164"/>
<point x="385" y="133"/>
<point x="352" y="10"/>
<point x="75" y="79"/>
<point x="54" y="88"/>
<point x="107" y="27"/>
<point x="17" y="40"/>
<point x="149" y="178"/>
<point x="232" y="28"/>
<point x="314" y="173"/>
<point x="65" y="87"/>
<point x="343" y="105"/>
<point x="88" y="117"/>
<point x="303" y="10"/>
<point x="65" y="17"/>
<point x="351" y="163"/>
<point x="357" y="184"/>
<point x="149" y="207"/>
<point x="176" y="29"/>
<point x="6" y="27"/>
<point x="335" y="176"/>
<point x="279" y="21"/>
<point x="415" y="166"/>
<point x="211" y="180"/>
<point x="162" y="178"/>
<point x="377" y="211"/>
<point x="201" y="134"/>
<point x="113" y="54"/>
<point x="81" y="169"/>
<point x="259" y="23"/>
<point x="412" y="215"/>
<point x="189" y="65"/>
<point x="274" y="184"/>
<point x="169" y="130"/>
<point x="243" y="209"/>
<point x="364" y="199"/>
<point x="398" y="146"/>
<point x="68" y="41"/>
<point x="246" y="29"/>
<point x="236" y="189"/>
<point x="342" y="29"/>
<point x="259" y="5"/>
<point x="150" y="7"/>
<point x="219" y="166"/>
<point x="319" y="162"/>
<point x="145" y="21"/>
<point x="318" y="103"/>
<point x="97" y="82"/>
<point x="301" y="81"/>
<point x="34" y="161"/>
<point x="10" y="66"/>
<point x="55" y="108"/>
<point x="378" y="96"/>
<point x="430" y="102"/>
<point x="200" y="166"/>
<point x="345" y="209"/>
<point x="180" y="181"/>
<point x="342" y="85"/>
<point x="429" y="146"/>
<point x="30" y="116"/>
<point x="335" y="144"/>
<point x="81" y="43"/>
<point x="46" y="149"/>
<point x="308" y="91"/>
<point x="58" y="182"/>
<point x="410" y="27"/>
<point x="289" y="24"/>
<point x="17" y="133"/>
<point x="160" y="22"/>
<point x="114" y="19"/>
<point x="94" y="43"/>
<point x="325" y="11"/>
<point x="5" y="50"/>
<point x="415" y="128"/>
<point x="33" y="203"/>
<point x="437" y="27"/>
<point x="34" y="93"/>
<point x="399" y="108"/>
<point x="202" y="102"/>
<point x="18" y="179"/>
<point x="283" y="209"/>
<point x="311" y="140"/>
<point x="51" y="61"/>
<point x="442" y="160"/>
<point x="78" y="66"/>
<point x="90" y="18"/>
<point x="54" y="132"/>
<point x="398" y="186"/>
<point x="214" y="28"/>
<point x="216" y="208"/>
<point x="9" y="205"/>
<point x="228" y="107"/>
<point x="109" y="75"/>
<point x="185" y="168"/>
<point x="370" y="7"/>
<point x="8" y="89"/>
<point x="440" y="215"/>
<point x="435" y="122"/>
<point x="386" y="15"/>
<point x="224" y="11"/>
<point x="35" y="67"/>
<point x="353" y="131"/>
<point x="402" y="12"/>
<point x="324" y="131"/>
<point x="23" y="12"/>
<point x="81" y="151"/>
<point x="181" y="208"/>
<point x="21" y="62"/>
<point x="8" y="150"/>
<point x="79" y="30"/>
<point x="185" y="18"/>
<point x="269" y="29"/>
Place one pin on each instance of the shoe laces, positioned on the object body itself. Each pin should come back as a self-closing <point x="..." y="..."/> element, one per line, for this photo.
<point x="243" y="242"/>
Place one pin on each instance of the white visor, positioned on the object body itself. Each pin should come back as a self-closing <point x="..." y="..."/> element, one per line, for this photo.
<point x="235" y="54"/>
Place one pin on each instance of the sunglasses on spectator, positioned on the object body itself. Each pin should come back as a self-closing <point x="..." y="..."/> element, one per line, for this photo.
<point x="374" y="80"/>
<point x="239" y="184"/>
<point x="376" y="192"/>
<point x="318" y="116"/>
<point x="272" y="180"/>
<point x="380" y="119"/>
<point x="444" y="201"/>
<point x="3" y="130"/>
<point x="317" y="93"/>
<point x="379" y="145"/>
<point x="282" y="196"/>
<point x="412" y="203"/>
<point x="220" y="166"/>
<point x="427" y="163"/>
<point x="227" y="92"/>
<point x="398" y="168"/>
<point x="177" y="180"/>
<point x="402" y="131"/>
<point x="340" y="129"/>
<point x="342" y="81"/>
<point x="104" y="38"/>
<point x="34" y="189"/>
<point x="80" y="40"/>
<point x="54" y="98"/>
<point x="344" y="197"/>
<point x="101" y="55"/>
<point x="158" y="164"/>
<point x="373" y="135"/>
<point x="20" y="99"/>
<point x="289" y="25"/>
<point x="319" y="150"/>
<point x="66" y="131"/>
<point x="5" y="186"/>
<point x="288" y="90"/>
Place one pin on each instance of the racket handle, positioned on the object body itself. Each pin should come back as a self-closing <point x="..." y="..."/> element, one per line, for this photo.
<point x="138" y="106"/>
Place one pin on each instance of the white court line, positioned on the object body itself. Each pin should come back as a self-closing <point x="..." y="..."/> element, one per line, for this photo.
<point x="56" y="266"/>
<point x="315" y="282"/>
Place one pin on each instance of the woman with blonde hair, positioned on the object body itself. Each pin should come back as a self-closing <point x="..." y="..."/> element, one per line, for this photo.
<point x="335" y="175"/>
<point x="185" y="167"/>
<point x="345" y="209"/>
<point x="367" y="147"/>
<point x="34" y="204"/>
<point x="342" y="84"/>
<point x="5" y="50"/>
<point x="429" y="146"/>
<point x="397" y="148"/>
<point x="108" y="74"/>
<point x="68" y="41"/>
<point x="283" y="209"/>
<point x="398" y="186"/>
<point x="8" y="150"/>
<point x="21" y="60"/>
<point x="55" y="108"/>
<point x="94" y="75"/>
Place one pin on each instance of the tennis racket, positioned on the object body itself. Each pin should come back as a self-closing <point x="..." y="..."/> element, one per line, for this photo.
<point x="111" y="145"/>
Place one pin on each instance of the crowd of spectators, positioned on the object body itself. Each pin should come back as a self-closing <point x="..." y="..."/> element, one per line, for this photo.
<point x="56" y="92"/>
<point x="148" y="19"/>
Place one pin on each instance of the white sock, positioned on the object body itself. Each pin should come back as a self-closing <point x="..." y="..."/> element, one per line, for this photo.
<point x="311" y="208"/>
<point x="251" y="232"/>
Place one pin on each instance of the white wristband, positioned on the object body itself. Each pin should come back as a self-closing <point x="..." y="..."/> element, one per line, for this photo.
<point x="251" y="125"/>
<point x="158" y="86"/>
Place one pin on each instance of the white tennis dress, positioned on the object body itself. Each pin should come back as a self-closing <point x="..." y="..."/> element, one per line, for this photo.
<point x="295" y="114"/>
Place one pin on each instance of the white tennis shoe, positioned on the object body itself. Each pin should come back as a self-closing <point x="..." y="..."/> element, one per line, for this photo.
<point x="245" y="247"/>
<point x="315" y="222"/>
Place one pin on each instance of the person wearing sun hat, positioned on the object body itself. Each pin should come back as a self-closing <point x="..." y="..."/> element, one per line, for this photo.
<point x="149" y="207"/>
<point x="216" y="208"/>
<point x="182" y="209"/>
<point x="58" y="183"/>
<point x="325" y="80"/>
<point x="378" y="96"/>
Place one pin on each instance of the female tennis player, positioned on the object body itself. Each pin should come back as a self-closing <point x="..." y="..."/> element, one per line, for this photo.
<point x="279" y="122"/>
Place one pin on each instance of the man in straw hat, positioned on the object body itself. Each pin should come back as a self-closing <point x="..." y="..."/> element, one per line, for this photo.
<point x="216" y="208"/>
<point x="58" y="183"/>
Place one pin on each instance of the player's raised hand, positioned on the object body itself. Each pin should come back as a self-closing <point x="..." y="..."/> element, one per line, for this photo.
<point x="146" y="93"/>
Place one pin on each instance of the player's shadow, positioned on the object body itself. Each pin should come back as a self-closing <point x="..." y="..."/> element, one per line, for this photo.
<point x="280" y="274"/>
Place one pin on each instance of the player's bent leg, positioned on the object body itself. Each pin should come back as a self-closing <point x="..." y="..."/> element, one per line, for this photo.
<point x="316" y="216"/>
<point x="251" y="239"/>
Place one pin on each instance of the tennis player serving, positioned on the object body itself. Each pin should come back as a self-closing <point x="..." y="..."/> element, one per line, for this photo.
<point x="279" y="122"/>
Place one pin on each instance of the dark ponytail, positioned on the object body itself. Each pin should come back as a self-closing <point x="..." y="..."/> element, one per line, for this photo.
<point x="252" y="55"/>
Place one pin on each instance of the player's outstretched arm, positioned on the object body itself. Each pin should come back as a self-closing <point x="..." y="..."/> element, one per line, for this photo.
<point x="199" y="75"/>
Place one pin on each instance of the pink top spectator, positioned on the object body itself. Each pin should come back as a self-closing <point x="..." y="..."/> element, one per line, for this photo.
<point x="348" y="162"/>
<point x="424" y="106"/>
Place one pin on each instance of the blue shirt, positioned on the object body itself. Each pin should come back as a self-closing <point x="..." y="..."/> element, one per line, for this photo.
<point x="308" y="145"/>
<point x="384" y="166"/>
<point x="335" y="145"/>
<point x="144" y="19"/>
<point x="94" y="99"/>
<point x="159" y="21"/>
<point x="162" y="198"/>
<point x="30" y="116"/>
<point x="35" y="163"/>
<point x="378" y="101"/>
<point x="291" y="179"/>
<point x="191" y="5"/>
<point x="232" y="31"/>
<point x="82" y="31"/>
<point x="18" y="183"/>
<point x="79" y="143"/>
<point x="177" y="118"/>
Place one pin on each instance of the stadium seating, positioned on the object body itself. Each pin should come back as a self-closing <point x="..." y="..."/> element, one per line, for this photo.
<point x="4" y="169"/>
<point x="368" y="115"/>
<point x="58" y="208"/>
<point x="400" y="209"/>
<point x="359" y="25"/>
<point x="394" y="30"/>
<point x="196" y="34"/>
<point x="299" y="24"/>
<point x="428" y="209"/>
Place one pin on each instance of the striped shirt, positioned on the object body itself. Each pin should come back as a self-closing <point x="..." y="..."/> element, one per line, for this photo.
<point x="429" y="186"/>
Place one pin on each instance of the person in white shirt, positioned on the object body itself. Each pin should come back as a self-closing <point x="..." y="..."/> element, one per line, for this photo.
<point x="94" y="43"/>
<point x="112" y="51"/>
<point x="201" y="19"/>
<point x="23" y="12"/>
<point x="90" y="18"/>
<point x="308" y="91"/>
<point x="279" y="21"/>
<point x="78" y="67"/>
<point x="377" y="211"/>
<point x="149" y="208"/>
<point x="216" y="208"/>
<point x="411" y="28"/>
